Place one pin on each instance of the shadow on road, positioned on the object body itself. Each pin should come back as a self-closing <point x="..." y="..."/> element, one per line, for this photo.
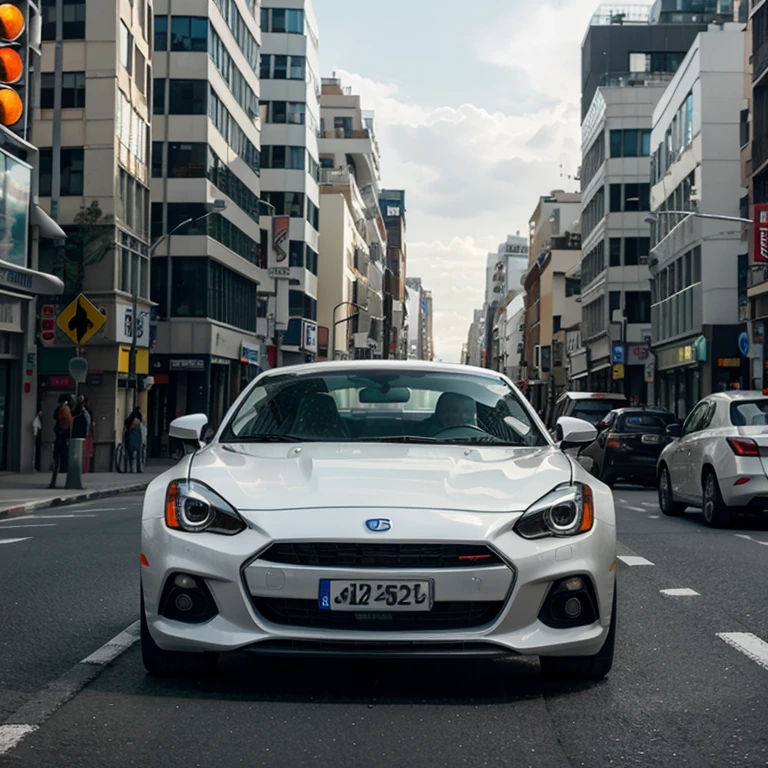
<point x="241" y="677"/>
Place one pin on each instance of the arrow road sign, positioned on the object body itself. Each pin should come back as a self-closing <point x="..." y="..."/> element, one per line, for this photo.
<point x="81" y="320"/>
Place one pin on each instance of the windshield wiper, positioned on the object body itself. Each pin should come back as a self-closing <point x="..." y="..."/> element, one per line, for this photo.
<point x="402" y="439"/>
<point x="267" y="438"/>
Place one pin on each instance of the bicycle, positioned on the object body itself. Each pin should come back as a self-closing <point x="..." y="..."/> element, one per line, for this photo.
<point x="123" y="463"/>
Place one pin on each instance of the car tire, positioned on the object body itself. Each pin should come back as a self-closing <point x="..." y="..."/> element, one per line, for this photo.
<point x="160" y="663"/>
<point x="667" y="503"/>
<point x="584" y="667"/>
<point x="716" y="512"/>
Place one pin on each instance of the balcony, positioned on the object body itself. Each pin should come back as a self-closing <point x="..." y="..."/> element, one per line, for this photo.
<point x="618" y="14"/>
<point x="635" y="79"/>
<point x="678" y="315"/>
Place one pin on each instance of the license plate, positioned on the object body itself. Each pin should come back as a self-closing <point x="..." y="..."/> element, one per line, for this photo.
<point x="348" y="595"/>
<point x="651" y="438"/>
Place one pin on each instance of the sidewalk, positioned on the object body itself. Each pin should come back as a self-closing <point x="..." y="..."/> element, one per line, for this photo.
<point x="20" y="494"/>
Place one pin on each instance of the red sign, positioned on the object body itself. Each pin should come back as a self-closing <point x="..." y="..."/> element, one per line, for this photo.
<point x="761" y="233"/>
<point x="280" y="238"/>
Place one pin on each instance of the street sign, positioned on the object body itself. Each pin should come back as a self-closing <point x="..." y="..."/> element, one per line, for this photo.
<point x="744" y="343"/>
<point x="78" y="369"/>
<point x="618" y="371"/>
<point x="650" y="371"/>
<point x="278" y="272"/>
<point x="618" y="354"/>
<point x="81" y="320"/>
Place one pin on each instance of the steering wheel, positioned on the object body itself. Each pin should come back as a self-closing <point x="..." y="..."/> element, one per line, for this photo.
<point x="459" y="426"/>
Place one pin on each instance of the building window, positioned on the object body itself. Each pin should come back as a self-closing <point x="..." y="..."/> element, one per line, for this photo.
<point x="72" y="90"/>
<point x="638" y="306"/>
<point x="157" y="159"/>
<point x="593" y="264"/>
<point x="286" y="203"/>
<point x="189" y="33"/>
<point x="71" y="172"/>
<point x="233" y="134"/>
<point x="245" y="40"/>
<point x="296" y="253"/>
<point x="630" y="197"/>
<point x="615" y="198"/>
<point x="187" y="97"/>
<point x="281" y="67"/>
<point x="73" y="20"/>
<point x="593" y="161"/>
<point x="221" y="176"/>
<point x="158" y="97"/>
<point x="161" y="33"/>
<point x="187" y="160"/>
<point x="312" y="261"/>
<point x="279" y="156"/>
<point x="614" y="259"/>
<point x="313" y="215"/>
<point x="225" y="232"/>
<point x="126" y="48"/>
<point x="614" y="303"/>
<point x="282" y="20"/>
<point x="238" y="86"/>
<point x="593" y="212"/>
<point x="633" y="142"/>
<point x="189" y="287"/>
<point x="556" y="321"/>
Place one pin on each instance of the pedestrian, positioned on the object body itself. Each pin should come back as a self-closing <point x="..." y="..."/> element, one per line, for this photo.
<point x="37" y="431"/>
<point x="62" y="428"/>
<point x="135" y="439"/>
<point x="88" y="452"/>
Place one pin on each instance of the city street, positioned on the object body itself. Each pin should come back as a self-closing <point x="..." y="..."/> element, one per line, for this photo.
<point x="689" y="687"/>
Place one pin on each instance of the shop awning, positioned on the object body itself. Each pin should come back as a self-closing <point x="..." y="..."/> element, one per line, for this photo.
<point x="601" y="367"/>
<point x="580" y="376"/>
<point x="29" y="280"/>
<point x="48" y="227"/>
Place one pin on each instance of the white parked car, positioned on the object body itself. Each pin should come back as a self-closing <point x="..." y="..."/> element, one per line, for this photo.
<point x="383" y="509"/>
<point x="718" y="461"/>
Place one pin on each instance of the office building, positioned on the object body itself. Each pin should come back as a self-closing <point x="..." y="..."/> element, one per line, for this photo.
<point x="392" y="207"/>
<point x="290" y="110"/>
<point x="699" y="265"/>
<point x="93" y="130"/>
<point x="209" y="267"/>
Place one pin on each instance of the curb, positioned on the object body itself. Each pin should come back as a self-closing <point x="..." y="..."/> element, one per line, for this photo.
<point x="62" y="501"/>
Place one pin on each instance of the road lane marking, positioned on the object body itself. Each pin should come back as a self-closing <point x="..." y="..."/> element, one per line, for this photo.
<point x="633" y="560"/>
<point x="11" y="735"/>
<point x="621" y="501"/>
<point x="31" y="715"/>
<point x="654" y="517"/>
<point x="13" y="541"/>
<point x="40" y="517"/>
<point x="34" y="525"/>
<point x="749" y="538"/>
<point x="117" y="645"/>
<point x="750" y="645"/>
<point x="680" y="592"/>
<point x="648" y="503"/>
<point x="108" y="509"/>
<point x="636" y="509"/>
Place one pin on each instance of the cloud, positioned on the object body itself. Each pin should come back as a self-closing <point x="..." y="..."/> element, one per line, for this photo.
<point x="473" y="175"/>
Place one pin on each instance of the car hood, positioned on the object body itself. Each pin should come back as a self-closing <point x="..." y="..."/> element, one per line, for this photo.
<point x="322" y="475"/>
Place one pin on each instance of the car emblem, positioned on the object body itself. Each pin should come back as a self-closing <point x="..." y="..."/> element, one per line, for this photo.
<point x="378" y="524"/>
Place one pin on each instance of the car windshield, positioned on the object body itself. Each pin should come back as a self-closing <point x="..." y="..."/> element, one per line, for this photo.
<point x="653" y="423"/>
<point x="592" y="411"/>
<point x="384" y="406"/>
<point x="750" y="413"/>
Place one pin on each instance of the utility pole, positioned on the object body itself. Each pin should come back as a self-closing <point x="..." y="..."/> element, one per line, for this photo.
<point x="58" y="63"/>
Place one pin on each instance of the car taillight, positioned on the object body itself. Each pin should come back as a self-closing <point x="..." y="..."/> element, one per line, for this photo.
<point x="743" y="446"/>
<point x="613" y="442"/>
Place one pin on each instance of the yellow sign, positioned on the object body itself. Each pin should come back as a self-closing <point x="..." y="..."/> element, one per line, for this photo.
<point x="728" y="362"/>
<point x="618" y="371"/>
<point x="81" y="320"/>
<point x="685" y="354"/>
<point x="124" y="361"/>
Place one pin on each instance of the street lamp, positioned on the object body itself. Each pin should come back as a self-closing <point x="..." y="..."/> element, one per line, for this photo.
<point x="217" y="206"/>
<point x="336" y="322"/>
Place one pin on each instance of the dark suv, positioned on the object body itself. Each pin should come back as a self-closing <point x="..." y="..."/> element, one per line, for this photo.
<point x="628" y="445"/>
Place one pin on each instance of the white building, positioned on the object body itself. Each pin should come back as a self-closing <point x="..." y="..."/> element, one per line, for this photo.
<point x="511" y="321"/>
<point x="213" y="327"/>
<point x="615" y="288"/>
<point x="350" y="289"/>
<point x="290" y="176"/>
<point x="695" y="262"/>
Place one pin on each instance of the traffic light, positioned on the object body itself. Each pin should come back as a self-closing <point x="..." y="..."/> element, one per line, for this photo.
<point x="47" y="324"/>
<point x="13" y="54"/>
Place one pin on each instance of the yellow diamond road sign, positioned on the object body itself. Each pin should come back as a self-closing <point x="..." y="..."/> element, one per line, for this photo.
<point x="81" y="320"/>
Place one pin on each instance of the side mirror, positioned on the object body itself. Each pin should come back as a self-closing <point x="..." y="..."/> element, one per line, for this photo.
<point x="572" y="433"/>
<point x="674" y="430"/>
<point x="189" y="429"/>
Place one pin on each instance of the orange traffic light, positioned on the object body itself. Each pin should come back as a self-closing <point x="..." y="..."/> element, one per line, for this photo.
<point x="11" y="107"/>
<point x="11" y="22"/>
<point x="11" y="66"/>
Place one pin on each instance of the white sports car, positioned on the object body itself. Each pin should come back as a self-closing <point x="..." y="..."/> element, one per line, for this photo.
<point x="381" y="509"/>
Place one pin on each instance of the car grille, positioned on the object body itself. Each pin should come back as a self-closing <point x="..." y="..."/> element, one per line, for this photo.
<point x="359" y="555"/>
<point x="444" y="615"/>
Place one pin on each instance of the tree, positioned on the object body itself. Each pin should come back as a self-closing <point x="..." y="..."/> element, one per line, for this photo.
<point x="87" y="244"/>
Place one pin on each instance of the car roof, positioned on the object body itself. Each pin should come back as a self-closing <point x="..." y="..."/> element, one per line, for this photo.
<point x="738" y="394"/>
<point x="592" y="395"/>
<point x="389" y="365"/>
<point x="642" y="409"/>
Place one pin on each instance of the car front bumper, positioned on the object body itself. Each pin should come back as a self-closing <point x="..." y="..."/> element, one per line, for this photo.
<point x="239" y="578"/>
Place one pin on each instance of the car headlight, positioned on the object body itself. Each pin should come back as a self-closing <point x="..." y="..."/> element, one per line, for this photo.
<point x="568" y="510"/>
<point x="195" y="508"/>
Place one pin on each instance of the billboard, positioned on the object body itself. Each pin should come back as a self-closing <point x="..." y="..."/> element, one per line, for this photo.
<point x="761" y="233"/>
<point x="15" y="183"/>
<point x="280" y="225"/>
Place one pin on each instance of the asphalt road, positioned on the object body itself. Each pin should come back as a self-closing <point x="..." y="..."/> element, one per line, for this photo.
<point x="679" y="695"/>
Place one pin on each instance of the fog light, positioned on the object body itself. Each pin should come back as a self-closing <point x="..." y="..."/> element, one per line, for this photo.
<point x="185" y="582"/>
<point x="574" y="584"/>
<point x="184" y="602"/>
<point x="572" y="607"/>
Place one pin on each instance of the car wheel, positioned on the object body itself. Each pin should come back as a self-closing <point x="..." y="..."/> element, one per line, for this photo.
<point x="585" y="667"/>
<point x="160" y="663"/>
<point x="716" y="512"/>
<point x="667" y="503"/>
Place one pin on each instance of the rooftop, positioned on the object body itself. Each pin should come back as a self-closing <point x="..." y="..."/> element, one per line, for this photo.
<point x="618" y="14"/>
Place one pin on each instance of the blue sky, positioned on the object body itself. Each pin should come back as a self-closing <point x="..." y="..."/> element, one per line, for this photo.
<point x="475" y="113"/>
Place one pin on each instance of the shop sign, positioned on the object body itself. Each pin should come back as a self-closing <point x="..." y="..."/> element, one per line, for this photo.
<point x="124" y="329"/>
<point x="182" y="364"/>
<point x="309" y="336"/>
<point x="617" y="354"/>
<point x="280" y="227"/>
<point x="650" y="371"/>
<point x="249" y="354"/>
<point x="761" y="233"/>
<point x="728" y="362"/>
<point x="744" y="343"/>
<point x="618" y="371"/>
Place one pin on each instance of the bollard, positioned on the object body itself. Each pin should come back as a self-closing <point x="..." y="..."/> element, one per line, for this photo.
<point x="75" y="465"/>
